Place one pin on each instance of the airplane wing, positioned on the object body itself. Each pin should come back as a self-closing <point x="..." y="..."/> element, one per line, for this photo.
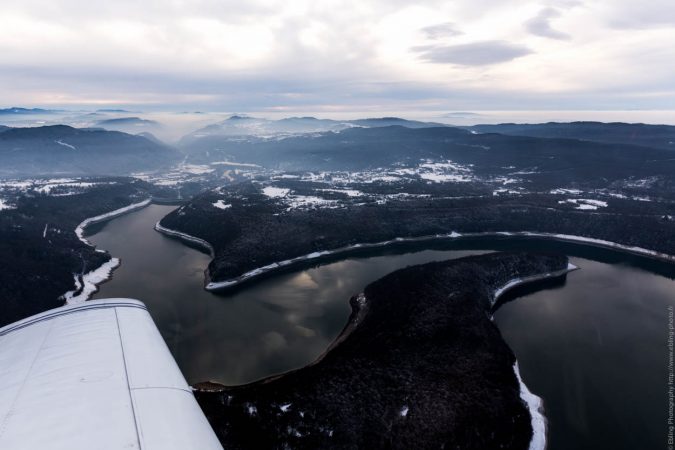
<point x="95" y="375"/>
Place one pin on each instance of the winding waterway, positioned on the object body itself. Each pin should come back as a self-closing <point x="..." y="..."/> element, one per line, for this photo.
<point x="593" y="347"/>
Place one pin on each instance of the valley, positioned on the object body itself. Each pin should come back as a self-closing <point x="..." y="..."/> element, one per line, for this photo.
<point x="276" y="215"/>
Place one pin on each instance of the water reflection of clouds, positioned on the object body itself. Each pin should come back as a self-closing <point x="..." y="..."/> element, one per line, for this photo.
<point x="300" y="314"/>
<point x="303" y="280"/>
<point x="272" y="326"/>
<point x="606" y="316"/>
<point x="273" y="341"/>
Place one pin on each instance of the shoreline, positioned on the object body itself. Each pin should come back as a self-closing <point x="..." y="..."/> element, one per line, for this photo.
<point x="251" y="274"/>
<point x="222" y="397"/>
<point x="86" y="284"/>
<point x="358" y="303"/>
<point x="185" y="237"/>
<point x="534" y="403"/>
<point x="79" y="230"/>
<point x="516" y="282"/>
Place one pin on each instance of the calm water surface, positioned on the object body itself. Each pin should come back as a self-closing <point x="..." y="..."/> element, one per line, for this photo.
<point x="594" y="347"/>
<point x="272" y="326"/>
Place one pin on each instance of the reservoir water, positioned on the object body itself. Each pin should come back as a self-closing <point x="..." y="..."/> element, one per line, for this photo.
<point x="594" y="347"/>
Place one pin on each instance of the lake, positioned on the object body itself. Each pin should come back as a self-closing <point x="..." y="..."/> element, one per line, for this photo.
<point x="593" y="347"/>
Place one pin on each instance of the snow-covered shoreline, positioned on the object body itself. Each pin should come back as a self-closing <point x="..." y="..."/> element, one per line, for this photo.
<point x="217" y="285"/>
<point x="87" y="284"/>
<point x="90" y="281"/>
<point x="536" y="407"/>
<point x="539" y="277"/>
<point x="79" y="231"/>
<point x="185" y="237"/>
<point x="534" y="403"/>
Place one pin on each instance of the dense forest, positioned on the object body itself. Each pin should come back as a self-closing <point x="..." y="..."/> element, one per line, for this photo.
<point x="40" y="250"/>
<point x="256" y="230"/>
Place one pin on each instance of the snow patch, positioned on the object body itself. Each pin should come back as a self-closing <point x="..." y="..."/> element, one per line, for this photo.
<point x="536" y="407"/>
<point x="500" y="191"/>
<point x="48" y="188"/>
<point x="18" y="185"/>
<point x="309" y="201"/>
<point x="65" y="144"/>
<point x="585" y="203"/>
<point x="5" y="205"/>
<point x="285" y="407"/>
<point x="317" y="254"/>
<point x="196" y="169"/>
<point x="361" y="299"/>
<point x="404" y="411"/>
<point x="444" y="177"/>
<point x="275" y="192"/>
<point x="220" y="204"/>
<point x="443" y="172"/>
<point x="90" y="281"/>
<point x="234" y="164"/>
<point x="643" y="183"/>
<point x="566" y="191"/>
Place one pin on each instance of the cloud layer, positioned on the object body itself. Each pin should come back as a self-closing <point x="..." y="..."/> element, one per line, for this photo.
<point x="473" y="54"/>
<point x="309" y="55"/>
<point x="540" y="25"/>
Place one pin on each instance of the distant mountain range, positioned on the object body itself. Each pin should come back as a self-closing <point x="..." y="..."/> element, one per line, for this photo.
<point x="131" y="125"/>
<point x="26" y="111"/>
<point x="547" y="162"/>
<point x="662" y="136"/>
<point x="239" y="126"/>
<point x="61" y="149"/>
<point x="308" y="143"/>
<point x="134" y="121"/>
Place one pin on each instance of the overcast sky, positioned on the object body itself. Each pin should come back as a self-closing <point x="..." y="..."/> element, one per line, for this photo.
<point x="330" y="55"/>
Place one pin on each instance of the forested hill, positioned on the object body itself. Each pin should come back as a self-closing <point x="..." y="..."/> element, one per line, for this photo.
<point x="661" y="136"/>
<point x="62" y="149"/>
<point x="565" y="160"/>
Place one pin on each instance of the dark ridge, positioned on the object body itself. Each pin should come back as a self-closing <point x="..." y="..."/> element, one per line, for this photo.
<point x="61" y="149"/>
<point x="26" y="111"/>
<point x="660" y="136"/>
<point x="127" y="121"/>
